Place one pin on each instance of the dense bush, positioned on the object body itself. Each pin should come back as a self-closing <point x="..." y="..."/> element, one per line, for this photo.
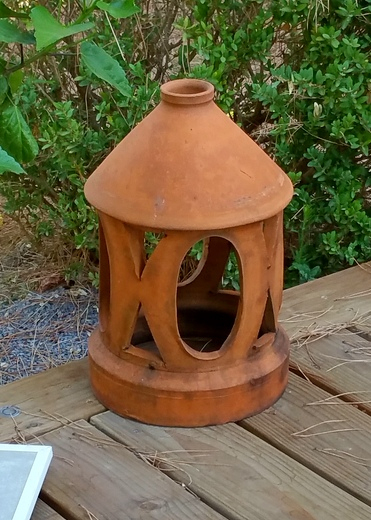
<point x="294" y="75"/>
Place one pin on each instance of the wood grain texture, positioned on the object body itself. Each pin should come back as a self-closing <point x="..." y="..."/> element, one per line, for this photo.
<point x="237" y="473"/>
<point x="336" y="298"/>
<point x="92" y="473"/>
<point x="64" y="390"/>
<point x="342" y="458"/>
<point x="44" y="512"/>
<point x="339" y="363"/>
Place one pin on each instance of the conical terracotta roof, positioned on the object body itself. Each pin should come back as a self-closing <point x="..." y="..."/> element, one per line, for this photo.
<point x="188" y="166"/>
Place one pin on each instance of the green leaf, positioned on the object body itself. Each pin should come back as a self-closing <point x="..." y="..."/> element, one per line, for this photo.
<point x="48" y="30"/>
<point x="9" y="164"/>
<point x="3" y="88"/>
<point x="16" y="137"/>
<point x="10" y="33"/>
<point x="5" y="12"/>
<point x="105" y="67"/>
<point x="15" y="80"/>
<point x="119" y="8"/>
<point x="335" y="43"/>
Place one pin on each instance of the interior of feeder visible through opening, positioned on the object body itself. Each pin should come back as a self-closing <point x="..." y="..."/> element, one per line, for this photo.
<point x="204" y="330"/>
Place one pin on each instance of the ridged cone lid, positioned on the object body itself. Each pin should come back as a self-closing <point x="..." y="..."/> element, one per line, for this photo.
<point x="188" y="166"/>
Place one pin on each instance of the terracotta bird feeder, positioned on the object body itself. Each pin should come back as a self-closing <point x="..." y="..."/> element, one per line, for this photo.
<point x="189" y="353"/>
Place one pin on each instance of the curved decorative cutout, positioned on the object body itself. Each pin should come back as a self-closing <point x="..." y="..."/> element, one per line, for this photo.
<point x="273" y="237"/>
<point x="159" y="292"/>
<point x="142" y="342"/>
<point x="269" y="318"/>
<point x="204" y="326"/>
<point x="121" y="310"/>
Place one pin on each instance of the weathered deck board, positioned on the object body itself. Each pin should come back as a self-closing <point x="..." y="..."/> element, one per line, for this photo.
<point x="336" y="298"/>
<point x="44" y="512"/>
<point x="237" y="473"/>
<point x="339" y="363"/>
<point x="64" y="390"/>
<point x="342" y="458"/>
<point x="92" y="473"/>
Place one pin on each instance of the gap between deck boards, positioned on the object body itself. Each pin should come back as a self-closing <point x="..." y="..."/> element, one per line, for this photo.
<point x="351" y="378"/>
<point x="43" y="511"/>
<point x="342" y="458"/>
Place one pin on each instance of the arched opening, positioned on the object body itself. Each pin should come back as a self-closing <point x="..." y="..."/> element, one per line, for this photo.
<point x="206" y="316"/>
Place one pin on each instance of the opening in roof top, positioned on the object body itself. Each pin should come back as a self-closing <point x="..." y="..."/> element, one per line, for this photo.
<point x="187" y="92"/>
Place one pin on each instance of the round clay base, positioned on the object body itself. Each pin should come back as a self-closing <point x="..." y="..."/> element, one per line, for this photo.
<point x="197" y="398"/>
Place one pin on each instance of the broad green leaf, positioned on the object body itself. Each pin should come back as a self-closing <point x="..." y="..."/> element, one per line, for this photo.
<point x="16" y="136"/>
<point x="15" y="80"/>
<point x="105" y="67"/>
<point x="119" y="8"/>
<point x="48" y="30"/>
<point x="5" y="12"/>
<point x="9" y="164"/>
<point x="10" y="33"/>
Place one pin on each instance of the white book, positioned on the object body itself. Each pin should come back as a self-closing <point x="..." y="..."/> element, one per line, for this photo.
<point x="22" y="472"/>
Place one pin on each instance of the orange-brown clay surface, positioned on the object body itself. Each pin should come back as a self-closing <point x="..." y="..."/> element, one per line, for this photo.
<point x="190" y="353"/>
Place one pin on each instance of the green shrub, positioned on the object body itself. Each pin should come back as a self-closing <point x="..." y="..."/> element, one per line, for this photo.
<point x="294" y="75"/>
<point x="60" y="119"/>
<point x="297" y="76"/>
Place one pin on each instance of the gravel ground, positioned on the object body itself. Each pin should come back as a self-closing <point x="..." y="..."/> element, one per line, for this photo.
<point x="45" y="330"/>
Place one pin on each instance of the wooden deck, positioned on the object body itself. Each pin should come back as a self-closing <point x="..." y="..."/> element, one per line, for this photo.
<point x="307" y="458"/>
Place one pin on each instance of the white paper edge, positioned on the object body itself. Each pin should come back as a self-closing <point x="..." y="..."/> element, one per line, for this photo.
<point x="35" y="479"/>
